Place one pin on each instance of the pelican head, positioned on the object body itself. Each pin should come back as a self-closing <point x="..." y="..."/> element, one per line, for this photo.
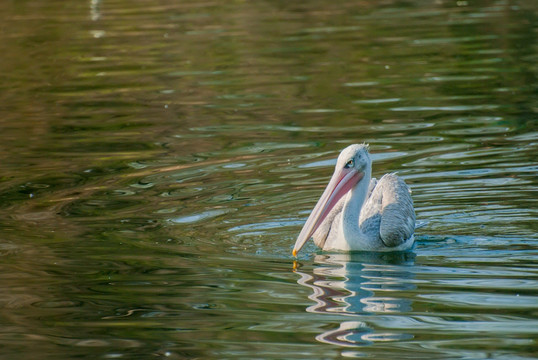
<point x="354" y="158"/>
<point x="352" y="166"/>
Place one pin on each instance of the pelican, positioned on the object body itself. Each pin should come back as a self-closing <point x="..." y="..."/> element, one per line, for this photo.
<point x="358" y="213"/>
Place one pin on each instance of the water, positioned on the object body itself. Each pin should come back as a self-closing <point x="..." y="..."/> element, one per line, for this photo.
<point x="158" y="160"/>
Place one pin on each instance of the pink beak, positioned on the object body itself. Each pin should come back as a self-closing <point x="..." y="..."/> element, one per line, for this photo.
<point x="342" y="181"/>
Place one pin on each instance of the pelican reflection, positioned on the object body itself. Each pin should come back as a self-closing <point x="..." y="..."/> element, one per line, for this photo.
<point x="361" y="287"/>
<point x="95" y="13"/>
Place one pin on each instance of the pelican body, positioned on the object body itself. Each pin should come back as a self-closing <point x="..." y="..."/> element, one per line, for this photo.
<point x="358" y="213"/>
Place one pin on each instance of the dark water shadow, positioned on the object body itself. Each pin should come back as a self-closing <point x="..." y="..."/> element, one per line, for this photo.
<point x="360" y="286"/>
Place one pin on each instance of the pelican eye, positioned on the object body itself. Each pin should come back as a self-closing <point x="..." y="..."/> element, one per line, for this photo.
<point x="349" y="164"/>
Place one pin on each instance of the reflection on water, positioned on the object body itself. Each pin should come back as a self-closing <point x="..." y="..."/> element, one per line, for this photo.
<point x="359" y="284"/>
<point x="95" y="13"/>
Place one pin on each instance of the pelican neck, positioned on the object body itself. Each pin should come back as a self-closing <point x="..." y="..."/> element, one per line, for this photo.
<point x="352" y="209"/>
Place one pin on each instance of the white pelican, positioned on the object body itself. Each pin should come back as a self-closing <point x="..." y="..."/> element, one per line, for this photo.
<point x="357" y="212"/>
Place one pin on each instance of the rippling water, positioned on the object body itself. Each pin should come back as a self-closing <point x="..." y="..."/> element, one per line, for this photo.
<point x="158" y="160"/>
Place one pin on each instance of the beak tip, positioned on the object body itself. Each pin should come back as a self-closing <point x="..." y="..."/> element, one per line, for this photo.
<point x="294" y="252"/>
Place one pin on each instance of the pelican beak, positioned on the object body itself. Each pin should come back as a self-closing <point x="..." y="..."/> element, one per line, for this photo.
<point x="341" y="182"/>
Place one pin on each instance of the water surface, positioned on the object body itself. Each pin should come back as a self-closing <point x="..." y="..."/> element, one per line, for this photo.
<point x="158" y="160"/>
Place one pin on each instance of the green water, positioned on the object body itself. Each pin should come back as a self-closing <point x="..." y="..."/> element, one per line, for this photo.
<point x="158" y="160"/>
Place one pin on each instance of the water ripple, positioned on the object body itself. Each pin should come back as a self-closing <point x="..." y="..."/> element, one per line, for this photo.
<point x="446" y="108"/>
<point x="206" y="215"/>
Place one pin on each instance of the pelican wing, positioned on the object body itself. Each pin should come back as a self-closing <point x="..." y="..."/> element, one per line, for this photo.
<point x="371" y="187"/>
<point x="389" y="211"/>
